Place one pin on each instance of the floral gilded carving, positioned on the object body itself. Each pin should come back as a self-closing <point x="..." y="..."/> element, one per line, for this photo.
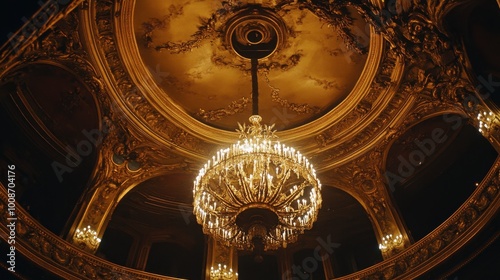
<point x="134" y="99"/>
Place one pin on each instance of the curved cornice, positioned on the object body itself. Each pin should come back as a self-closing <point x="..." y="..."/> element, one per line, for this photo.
<point x="66" y="260"/>
<point x="58" y="256"/>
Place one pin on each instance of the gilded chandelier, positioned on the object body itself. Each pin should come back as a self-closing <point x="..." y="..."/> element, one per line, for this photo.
<point x="258" y="189"/>
<point x="257" y="194"/>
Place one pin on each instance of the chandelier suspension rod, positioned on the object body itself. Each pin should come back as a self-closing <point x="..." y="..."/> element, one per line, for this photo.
<point x="255" y="86"/>
<point x="245" y="196"/>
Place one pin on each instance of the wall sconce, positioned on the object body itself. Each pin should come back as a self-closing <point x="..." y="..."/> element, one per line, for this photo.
<point x="87" y="237"/>
<point x="485" y="121"/>
<point x="222" y="273"/>
<point x="390" y="242"/>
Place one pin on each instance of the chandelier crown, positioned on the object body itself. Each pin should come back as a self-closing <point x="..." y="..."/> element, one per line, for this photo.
<point x="256" y="130"/>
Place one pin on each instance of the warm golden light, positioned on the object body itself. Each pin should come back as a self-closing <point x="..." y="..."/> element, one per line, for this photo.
<point x="485" y="121"/>
<point x="258" y="192"/>
<point x="389" y="242"/>
<point x="88" y="237"/>
<point x="222" y="273"/>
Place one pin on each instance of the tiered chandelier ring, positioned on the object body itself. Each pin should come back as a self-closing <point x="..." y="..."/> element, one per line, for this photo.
<point x="257" y="188"/>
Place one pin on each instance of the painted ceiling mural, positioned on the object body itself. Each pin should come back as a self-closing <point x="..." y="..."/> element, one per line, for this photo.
<point x="312" y="71"/>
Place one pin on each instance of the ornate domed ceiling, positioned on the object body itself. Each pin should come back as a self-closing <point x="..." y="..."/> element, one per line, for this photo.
<point x="394" y="102"/>
<point x="186" y="47"/>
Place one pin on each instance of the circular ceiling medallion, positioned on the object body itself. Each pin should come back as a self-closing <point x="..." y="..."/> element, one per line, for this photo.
<point x="255" y="32"/>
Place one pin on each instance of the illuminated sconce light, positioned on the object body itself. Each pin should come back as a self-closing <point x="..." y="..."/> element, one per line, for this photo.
<point x="485" y="121"/>
<point x="87" y="237"/>
<point x="222" y="273"/>
<point x="390" y="242"/>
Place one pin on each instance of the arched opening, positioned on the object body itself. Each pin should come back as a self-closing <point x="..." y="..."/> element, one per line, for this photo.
<point x="248" y="269"/>
<point x="48" y="115"/>
<point x="116" y="246"/>
<point x="342" y="240"/>
<point x="172" y="258"/>
<point x="433" y="168"/>
<point x="478" y="24"/>
<point x="164" y="237"/>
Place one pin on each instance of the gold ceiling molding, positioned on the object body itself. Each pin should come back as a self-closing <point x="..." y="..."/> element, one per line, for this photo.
<point x="123" y="161"/>
<point x="100" y="34"/>
<point x="380" y="105"/>
<point x="70" y="262"/>
<point x="107" y="190"/>
<point x="363" y="107"/>
<point x="61" y="47"/>
<point x="365" y="125"/>
<point x="71" y="57"/>
<point x="433" y="78"/>
<point x="386" y="102"/>
<point x="156" y="114"/>
<point x="49" y="14"/>
<point x="456" y="231"/>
